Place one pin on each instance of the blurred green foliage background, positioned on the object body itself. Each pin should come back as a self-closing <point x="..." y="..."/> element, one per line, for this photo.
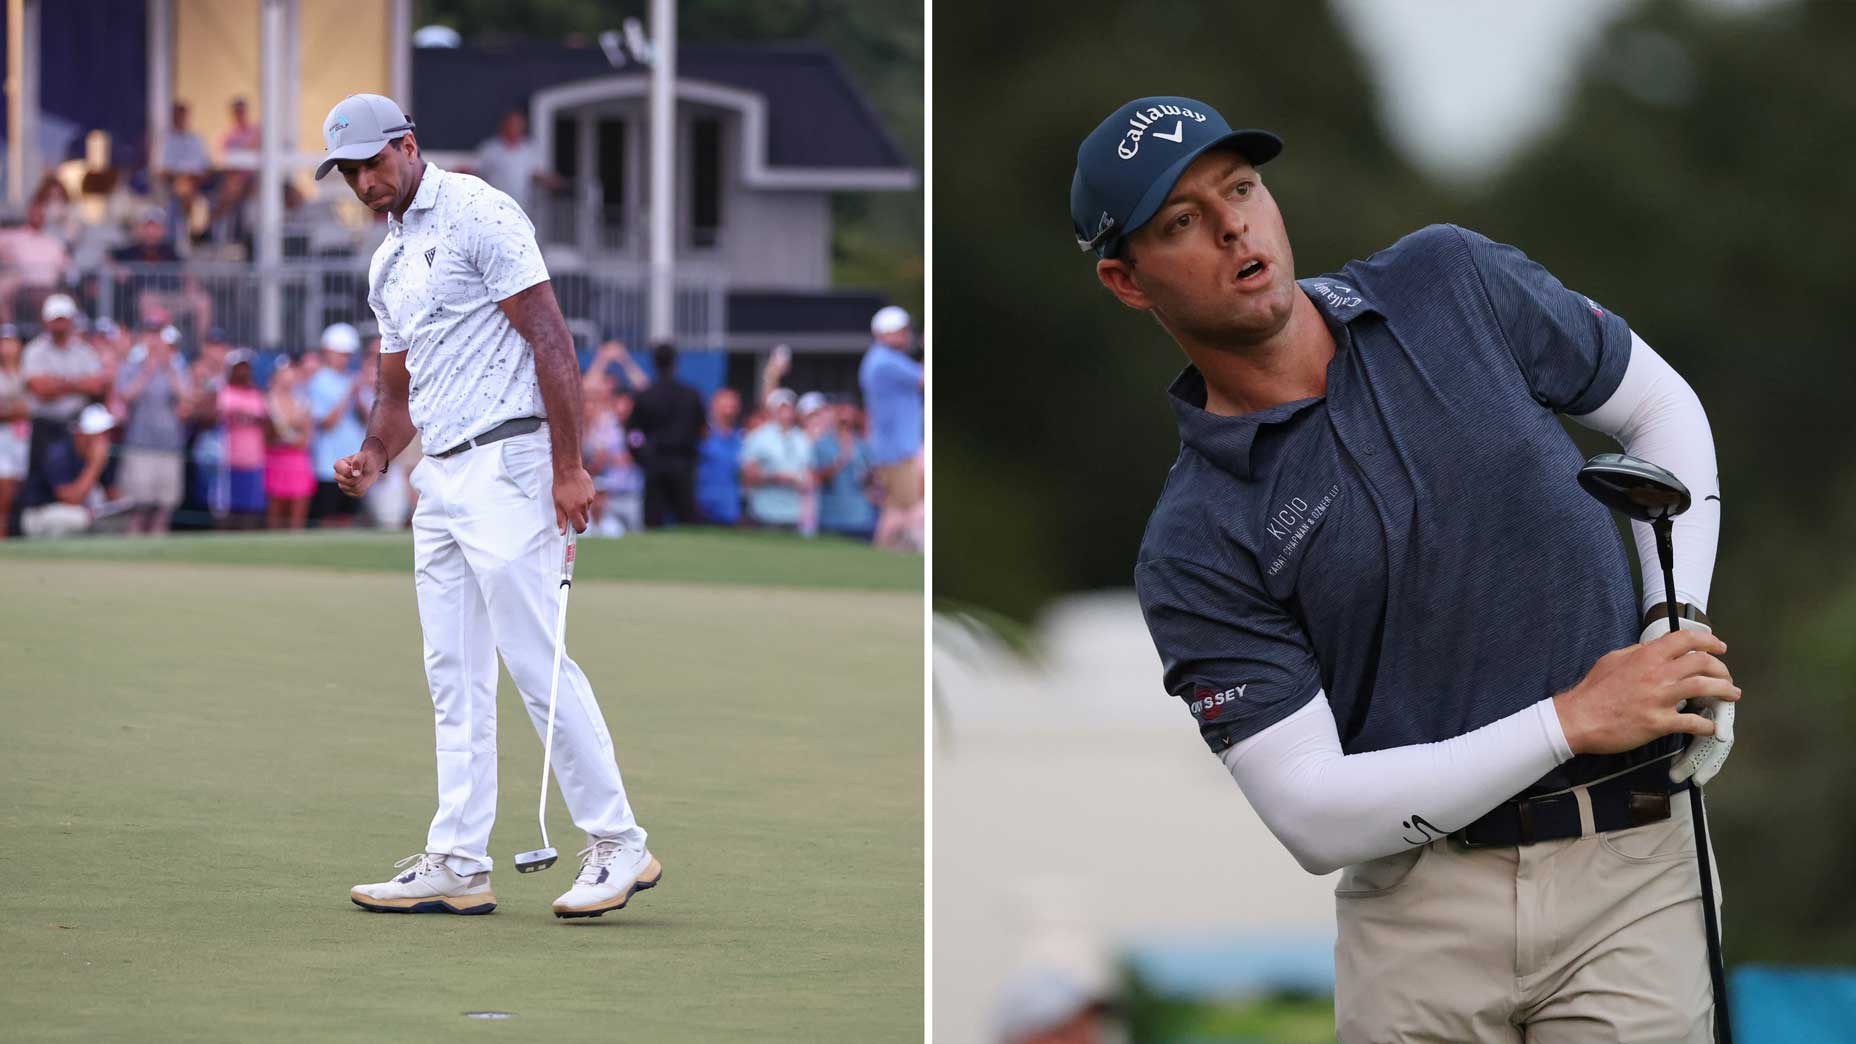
<point x="1713" y="213"/>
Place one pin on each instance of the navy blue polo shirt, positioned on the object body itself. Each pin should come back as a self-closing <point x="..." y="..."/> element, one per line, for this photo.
<point x="1415" y="542"/>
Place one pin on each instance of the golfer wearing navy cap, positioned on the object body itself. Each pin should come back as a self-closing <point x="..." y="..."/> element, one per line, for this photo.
<point x="1396" y="618"/>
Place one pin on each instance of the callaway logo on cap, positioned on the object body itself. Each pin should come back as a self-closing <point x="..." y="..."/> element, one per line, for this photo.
<point x="358" y="127"/>
<point x="1128" y="164"/>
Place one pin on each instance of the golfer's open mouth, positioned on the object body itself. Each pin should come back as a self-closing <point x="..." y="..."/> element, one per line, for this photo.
<point x="1252" y="272"/>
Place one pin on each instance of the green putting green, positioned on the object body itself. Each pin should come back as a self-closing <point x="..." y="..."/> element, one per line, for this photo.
<point x="197" y="761"/>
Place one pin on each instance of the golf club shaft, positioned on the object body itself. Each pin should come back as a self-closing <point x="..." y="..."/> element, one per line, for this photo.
<point x="1666" y="551"/>
<point x="1710" y="919"/>
<point x="554" y="688"/>
<point x="1723" y="1027"/>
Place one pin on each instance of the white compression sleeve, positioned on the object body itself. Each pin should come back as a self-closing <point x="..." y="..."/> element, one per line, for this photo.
<point x="1656" y="416"/>
<point x="1332" y="810"/>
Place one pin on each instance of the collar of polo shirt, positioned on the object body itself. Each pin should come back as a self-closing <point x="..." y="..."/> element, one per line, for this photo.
<point x="427" y="196"/>
<point x="1227" y="441"/>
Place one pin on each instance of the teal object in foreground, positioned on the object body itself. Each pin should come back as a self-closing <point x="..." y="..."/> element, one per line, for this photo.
<point x="1779" y="1005"/>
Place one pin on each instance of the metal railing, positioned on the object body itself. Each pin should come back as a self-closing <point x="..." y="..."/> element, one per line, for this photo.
<point x="581" y="221"/>
<point x="198" y="296"/>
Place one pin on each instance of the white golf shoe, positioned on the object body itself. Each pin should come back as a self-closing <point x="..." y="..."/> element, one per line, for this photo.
<point x="611" y="870"/>
<point x="427" y="886"/>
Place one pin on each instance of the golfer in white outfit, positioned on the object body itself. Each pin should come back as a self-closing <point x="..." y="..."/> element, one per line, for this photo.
<point x="476" y="357"/>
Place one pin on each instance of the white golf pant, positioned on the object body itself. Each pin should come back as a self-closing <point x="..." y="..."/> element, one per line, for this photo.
<point x="487" y="569"/>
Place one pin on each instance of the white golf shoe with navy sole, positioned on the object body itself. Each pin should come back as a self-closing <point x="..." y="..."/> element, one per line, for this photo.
<point x="427" y="886"/>
<point x="611" y="872"/>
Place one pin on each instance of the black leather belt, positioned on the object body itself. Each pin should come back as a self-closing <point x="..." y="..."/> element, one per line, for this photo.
<point x="505" y="430"/>
<point x="1635" y="798"/>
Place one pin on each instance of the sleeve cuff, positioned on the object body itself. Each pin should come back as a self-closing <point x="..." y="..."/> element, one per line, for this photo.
<point x="517" y="285"/>
<point x="1555" y="732"/>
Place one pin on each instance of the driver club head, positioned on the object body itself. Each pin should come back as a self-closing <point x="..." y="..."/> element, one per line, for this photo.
<point x="538" y="860"/>
<point x="1634" y="487"/>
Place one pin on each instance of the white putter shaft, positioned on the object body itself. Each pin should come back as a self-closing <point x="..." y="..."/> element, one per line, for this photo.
<point x="545" y="856"/>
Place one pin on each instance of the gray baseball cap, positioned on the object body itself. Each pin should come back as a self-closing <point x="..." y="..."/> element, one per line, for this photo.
<point x="360" y="126"/>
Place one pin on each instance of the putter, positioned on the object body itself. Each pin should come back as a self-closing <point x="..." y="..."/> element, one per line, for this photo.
<point x="1640" y="490"/>
<point x="545" y="856"/>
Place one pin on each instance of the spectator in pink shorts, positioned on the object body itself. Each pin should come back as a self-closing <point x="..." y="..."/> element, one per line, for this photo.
<point x="241" y="412"/>
<point x="289" y="477"/>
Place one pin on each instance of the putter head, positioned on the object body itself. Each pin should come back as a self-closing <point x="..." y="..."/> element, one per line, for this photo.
<point x="1634" y="487"/>
<point x="539" y="859"/>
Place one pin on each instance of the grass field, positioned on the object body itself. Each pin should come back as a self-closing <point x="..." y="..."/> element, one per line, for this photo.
<point x="197" y="760"/>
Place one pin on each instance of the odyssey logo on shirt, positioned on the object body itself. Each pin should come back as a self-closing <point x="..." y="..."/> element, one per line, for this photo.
<point x="1207" y="704"/>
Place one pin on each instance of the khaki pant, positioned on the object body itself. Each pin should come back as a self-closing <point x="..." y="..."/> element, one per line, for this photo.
<point x="150" y="478"/>
<point x="1588" y="939"/>
<point x="902" y="483"/>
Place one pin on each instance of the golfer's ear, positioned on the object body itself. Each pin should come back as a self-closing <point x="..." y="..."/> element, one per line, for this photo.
<point x="1118" y="276"/>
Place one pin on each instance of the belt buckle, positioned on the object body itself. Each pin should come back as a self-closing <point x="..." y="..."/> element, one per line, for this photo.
<point x="1521" y="813"/>
<point x="1467" y="836"/>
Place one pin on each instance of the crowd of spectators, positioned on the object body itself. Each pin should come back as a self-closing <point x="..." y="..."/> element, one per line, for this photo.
<point x="184" y="199"/>
<point x="814" y="463"/>
<point x="182" y="427"/>
<point x="137" y="426"/>
<point x="114" y="228"/>
<point x="108" y="429"/>
<point x="105" y="428"/>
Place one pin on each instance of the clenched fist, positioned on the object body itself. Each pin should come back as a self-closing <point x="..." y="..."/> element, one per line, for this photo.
<point x="573" y="498"/>
<point x="357" y="472"/>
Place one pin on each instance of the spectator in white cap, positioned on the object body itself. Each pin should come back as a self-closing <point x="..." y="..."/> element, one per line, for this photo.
<point x="776" y="465"/>
<point x="892" y="383"/>
<point x="63" y="495"/>
<point x="61" y="369"/>
<point x="809" y="417"/>
<point x="336" y="398"/>
<point x="1052" y="1006"/>
<point x="154" y="391"/>
<point x="815" y="422"/>
<point x="63" y="374"/>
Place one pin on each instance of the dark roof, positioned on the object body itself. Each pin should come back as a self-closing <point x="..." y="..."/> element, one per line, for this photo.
<point x="789" y="312"/>
<point x="815" y="116"/>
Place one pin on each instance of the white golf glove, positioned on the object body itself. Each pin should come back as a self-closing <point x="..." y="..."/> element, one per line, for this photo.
<point x="1704" y="755"/>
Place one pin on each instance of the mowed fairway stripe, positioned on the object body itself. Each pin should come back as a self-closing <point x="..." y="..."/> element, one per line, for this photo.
<point x="197" y="763"/>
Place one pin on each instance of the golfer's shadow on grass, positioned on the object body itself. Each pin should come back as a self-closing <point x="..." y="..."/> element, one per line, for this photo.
<point x="642" y="921"/>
